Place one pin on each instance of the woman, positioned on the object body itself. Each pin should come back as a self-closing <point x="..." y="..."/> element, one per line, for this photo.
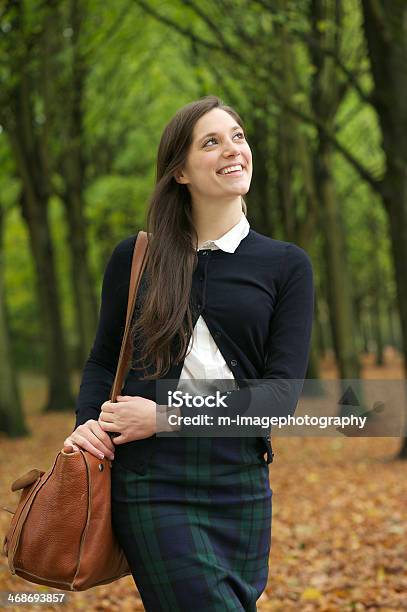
<point x="217" y="301"/>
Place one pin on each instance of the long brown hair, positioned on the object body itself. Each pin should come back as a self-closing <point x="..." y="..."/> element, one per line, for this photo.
<point x="165" y="322"/>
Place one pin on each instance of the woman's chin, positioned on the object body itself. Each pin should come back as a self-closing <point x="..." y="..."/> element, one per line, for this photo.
<point x="237" y="187"/>
<point x="239" y="190"/>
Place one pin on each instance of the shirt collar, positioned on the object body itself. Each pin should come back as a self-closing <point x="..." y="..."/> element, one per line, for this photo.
<point x="231" y="240"/>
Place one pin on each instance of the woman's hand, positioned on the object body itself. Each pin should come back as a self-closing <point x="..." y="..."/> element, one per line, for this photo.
<point x="133" y="416"/>
<point x="91" y="437"/>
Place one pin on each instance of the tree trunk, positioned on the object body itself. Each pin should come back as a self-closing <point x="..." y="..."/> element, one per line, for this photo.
<point x="322" y="346"/>
<point x="285" y="180"/>
<point x="365" y="329"/>
<point x="357" y="309"/>
<point x="377" y="288"/>
<point x="325" y="101"/>
<point x="391" y="330"/>
<point x="11" y="413"/>
<point x="377" y="330"/>
<point x="386" y="34"/>
<point x="73" y="171"/>
<point x="31" y="158"/>
<point x="66" y="120"/>
<point x="36" y="216"/>
<point x="298" y="207"/>
<point x="259" y="196"/>
<point x="338" y="286"/>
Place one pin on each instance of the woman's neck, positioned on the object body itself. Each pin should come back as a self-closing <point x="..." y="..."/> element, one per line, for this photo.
<point x="213" y="221"/>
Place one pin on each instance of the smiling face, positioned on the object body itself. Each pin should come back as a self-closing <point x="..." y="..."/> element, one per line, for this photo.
<point x="219" y="160"/>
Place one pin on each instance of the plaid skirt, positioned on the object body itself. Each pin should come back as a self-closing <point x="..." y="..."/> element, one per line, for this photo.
<point x="196" y="527"/>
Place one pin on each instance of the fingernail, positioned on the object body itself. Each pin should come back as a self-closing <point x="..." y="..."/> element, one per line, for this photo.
<point x="101" y="456"/>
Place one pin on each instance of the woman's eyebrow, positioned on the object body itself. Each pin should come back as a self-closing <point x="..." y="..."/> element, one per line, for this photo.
<point x="235" y="127"/>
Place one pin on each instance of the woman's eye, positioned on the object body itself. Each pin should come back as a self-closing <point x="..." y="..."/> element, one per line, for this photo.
<point x="240" y="134"/>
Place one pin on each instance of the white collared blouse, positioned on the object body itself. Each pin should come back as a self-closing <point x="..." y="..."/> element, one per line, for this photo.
<point x="204" y="361"/>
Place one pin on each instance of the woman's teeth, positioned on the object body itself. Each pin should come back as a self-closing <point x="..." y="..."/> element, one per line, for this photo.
<point x="230" y="169"/>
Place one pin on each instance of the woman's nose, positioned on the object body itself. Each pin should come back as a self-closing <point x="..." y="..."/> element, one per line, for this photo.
<point x="231" y="148"/>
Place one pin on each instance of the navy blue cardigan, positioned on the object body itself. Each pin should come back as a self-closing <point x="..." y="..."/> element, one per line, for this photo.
<point x="258" y="304"/>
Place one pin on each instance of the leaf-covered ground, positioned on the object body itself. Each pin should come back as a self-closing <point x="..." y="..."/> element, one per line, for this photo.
<point x="339" y="534"/>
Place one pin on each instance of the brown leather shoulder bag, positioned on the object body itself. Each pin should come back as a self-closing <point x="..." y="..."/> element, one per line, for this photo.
<point x="61" y="532"/>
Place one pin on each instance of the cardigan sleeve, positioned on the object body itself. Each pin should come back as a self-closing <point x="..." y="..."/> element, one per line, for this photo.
<point x="288" y="347"/>
<point x="100" y="368"/>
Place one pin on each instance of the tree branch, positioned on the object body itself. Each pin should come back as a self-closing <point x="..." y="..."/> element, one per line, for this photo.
<point x="306" y="38"/>
<point x="209" y="22"/>
<point x="213" y="26"/>
<point x="350" y="115"/>
<point x="366" y="175"/>
<point x="186" y="32"/>
<point x="375" y="183"/>
<point x="111" y="30"/>
<point x="350" y="76"/>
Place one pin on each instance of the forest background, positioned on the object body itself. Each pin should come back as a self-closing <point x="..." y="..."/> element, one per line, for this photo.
<point x="86" y="88"/>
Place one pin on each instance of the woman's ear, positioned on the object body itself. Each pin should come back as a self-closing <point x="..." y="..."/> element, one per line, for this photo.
<point x="180" y="177"/>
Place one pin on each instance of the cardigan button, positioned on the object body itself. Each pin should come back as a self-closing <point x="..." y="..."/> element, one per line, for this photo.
<point x="233" y="362"/>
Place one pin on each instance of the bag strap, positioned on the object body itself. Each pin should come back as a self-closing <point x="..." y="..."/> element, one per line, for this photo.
<point x="137" y="267"/>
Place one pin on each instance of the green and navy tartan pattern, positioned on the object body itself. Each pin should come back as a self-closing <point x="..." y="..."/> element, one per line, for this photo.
<point x="196" y="527"/>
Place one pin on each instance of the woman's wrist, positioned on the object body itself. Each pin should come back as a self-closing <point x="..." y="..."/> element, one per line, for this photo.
<point x="163" y="414"/>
